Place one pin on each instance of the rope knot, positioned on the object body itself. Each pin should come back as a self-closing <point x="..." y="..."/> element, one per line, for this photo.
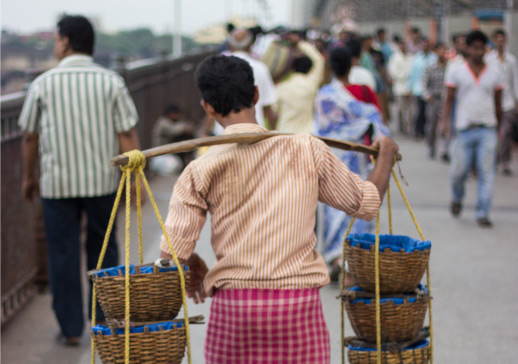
<point x="136" y="162"/>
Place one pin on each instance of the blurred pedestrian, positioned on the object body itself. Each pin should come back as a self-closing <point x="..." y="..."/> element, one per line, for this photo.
<point x="506" y="63"/>
<point x="358" y="74"/>
<point x="433" y="86"/>
<point x="296" y="95"/>
<point x="477" y="87"/>
<point x="79" y="115"/>
<point x="399" y="71"/>
<point x="172" y="127"/>
<point x="339" y="114"/>
<point x="421" y="61"/>
<point x="240" y="43"/>
<point x="414" y="42"/>
<point x="384" y="46"/>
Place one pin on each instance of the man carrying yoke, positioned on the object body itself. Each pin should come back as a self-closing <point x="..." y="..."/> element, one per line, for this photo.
<point x="262" y="198"/>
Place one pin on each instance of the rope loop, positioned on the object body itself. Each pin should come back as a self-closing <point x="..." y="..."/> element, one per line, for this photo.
<point x="136" y="162"/>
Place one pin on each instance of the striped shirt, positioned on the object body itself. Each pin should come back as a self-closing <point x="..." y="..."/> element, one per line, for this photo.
<point x="77" y="109"/>
<point x="262" y="199"/>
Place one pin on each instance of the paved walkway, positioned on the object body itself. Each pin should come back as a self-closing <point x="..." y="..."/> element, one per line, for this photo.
<point x="474" y="274"/>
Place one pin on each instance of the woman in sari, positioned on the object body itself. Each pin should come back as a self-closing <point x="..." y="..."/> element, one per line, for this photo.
<point x="347" y="112"/>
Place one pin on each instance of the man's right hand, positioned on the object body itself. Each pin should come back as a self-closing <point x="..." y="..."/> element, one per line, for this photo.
<point x="30" y="189"/>
<point x="386" y="146"/>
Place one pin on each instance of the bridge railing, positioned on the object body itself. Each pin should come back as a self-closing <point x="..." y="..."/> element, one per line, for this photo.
<point x="152" y="84"/>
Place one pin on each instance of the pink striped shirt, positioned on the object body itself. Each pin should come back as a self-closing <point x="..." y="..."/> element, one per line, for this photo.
<point x="262" y="199"/>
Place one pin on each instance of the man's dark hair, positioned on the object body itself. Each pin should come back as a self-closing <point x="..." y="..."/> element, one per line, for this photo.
<point x="499" y="32"/>
<point x="302" y="64"/>
<point x="397" y="38"/>
<point x="79" y="32"/>
<point x="415" y="30"/>
<point x="380" y="31"/>
<point x="340" y="61"/>
<point x="226" y="83"/>
<point x="354" y="46"/>
<point x="171" y="108"/>
<point x="230" y="27"/>
<point x="476" y="35"/>
<point x="457" y="36"/>
<point x="439" y="45"/>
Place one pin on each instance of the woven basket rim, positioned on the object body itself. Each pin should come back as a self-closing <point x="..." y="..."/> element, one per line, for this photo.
<point x="92" y="273"/>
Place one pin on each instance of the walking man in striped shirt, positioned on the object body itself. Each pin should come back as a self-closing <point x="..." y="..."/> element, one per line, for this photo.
<point x="262" y="199"/>
<point x="78" y="115"/>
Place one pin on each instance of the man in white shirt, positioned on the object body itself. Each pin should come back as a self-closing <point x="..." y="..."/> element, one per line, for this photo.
<point x="507" y="65"/>
<point x="477" y="87"/>
<point x="399" y="70"/>
<point x="359" y="75"/>
<point x="240" y="42"/>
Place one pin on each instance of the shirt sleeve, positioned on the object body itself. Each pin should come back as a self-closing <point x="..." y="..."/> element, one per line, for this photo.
<point x="124" y="112"/>
<point x="186" y="216"/>
<point x="267" y="94"/>
<point x="29" y="120"/>
<point x="342" y="189"/>
<point x="449" y="78"/>
<point x="316" y="72"/>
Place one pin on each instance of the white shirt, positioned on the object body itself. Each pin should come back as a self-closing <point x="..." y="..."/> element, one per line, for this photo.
<point x="509" y="70"/>
<point x="361" y="76"/>
<point x="399" y="68"/>
<point x="475" y="101"/>
<point x="263" y="80"/>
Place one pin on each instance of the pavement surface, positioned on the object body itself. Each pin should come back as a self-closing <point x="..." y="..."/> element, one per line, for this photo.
<point x="474" y="273"/>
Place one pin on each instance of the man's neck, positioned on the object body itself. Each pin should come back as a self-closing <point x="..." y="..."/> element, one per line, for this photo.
<point x="501" y="53"/>
<point x="475" y="63"/>
<point x="245" y="116"/>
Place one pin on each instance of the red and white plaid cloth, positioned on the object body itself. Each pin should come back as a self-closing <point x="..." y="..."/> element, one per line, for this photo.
<point x="267" y="326"/>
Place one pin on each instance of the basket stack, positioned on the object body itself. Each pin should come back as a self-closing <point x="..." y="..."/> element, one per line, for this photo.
<point x="155" y="300"/>
<point x="403" y="301"/>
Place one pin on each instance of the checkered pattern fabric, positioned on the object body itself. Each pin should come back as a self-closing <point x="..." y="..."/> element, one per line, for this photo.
<point x="258" y="326"/>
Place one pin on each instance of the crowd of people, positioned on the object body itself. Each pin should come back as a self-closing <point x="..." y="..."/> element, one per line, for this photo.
<point x="463" y="101"/>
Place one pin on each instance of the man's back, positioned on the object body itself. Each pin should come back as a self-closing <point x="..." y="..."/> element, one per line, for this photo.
<point x="262" y="199"/>
<point x="77" y="109"/>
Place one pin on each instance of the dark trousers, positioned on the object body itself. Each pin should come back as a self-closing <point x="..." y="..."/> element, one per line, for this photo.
<point x="421" y="118"/>
<point x="63" y="227"/>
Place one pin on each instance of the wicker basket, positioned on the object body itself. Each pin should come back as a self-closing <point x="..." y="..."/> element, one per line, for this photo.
<point x="401" y="317"/>
<point x="415" y="354"/>
<point x="157" y="347"/>
<point x="154" y="296"/>
<point x="400" y="271"/>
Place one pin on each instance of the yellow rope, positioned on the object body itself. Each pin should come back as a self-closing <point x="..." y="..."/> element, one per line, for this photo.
<point x="427" y="266"/>
<point x="342" y="286"/>
<point x="136" y="164"/>
<point x="139" y="214"/>
<point x="377" y="274"/>
<point x="101" y="258"/>
<point x="177" y="262"/>
<point x="127" y="272"/>
<point x="389" y="208"/>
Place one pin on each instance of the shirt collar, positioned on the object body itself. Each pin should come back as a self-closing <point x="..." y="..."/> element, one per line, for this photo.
<point x="244" y="128"/>
<point x="75" y="59"/>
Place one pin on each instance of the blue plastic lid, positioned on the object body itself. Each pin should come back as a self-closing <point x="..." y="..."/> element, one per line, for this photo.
<point x="114" y="271"/>
<point x="417" y="345"/>
<point x="396" y="243"/>
<point x="105" y="330"/>
<point x="396" y="301"/>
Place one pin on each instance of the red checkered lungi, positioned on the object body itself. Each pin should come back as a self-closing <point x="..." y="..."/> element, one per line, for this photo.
<point x="261" y="326"/>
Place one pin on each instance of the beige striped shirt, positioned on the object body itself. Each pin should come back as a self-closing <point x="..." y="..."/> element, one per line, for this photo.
<point x="77" y="109"/>
<point x="262" y="199"/>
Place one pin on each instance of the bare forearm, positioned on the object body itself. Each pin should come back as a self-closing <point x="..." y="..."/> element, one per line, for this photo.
<point x="380" y="175"/>
<point x="498" y="107"/>
<point x="128" y="140"/>
<point x="30" y="144"/>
